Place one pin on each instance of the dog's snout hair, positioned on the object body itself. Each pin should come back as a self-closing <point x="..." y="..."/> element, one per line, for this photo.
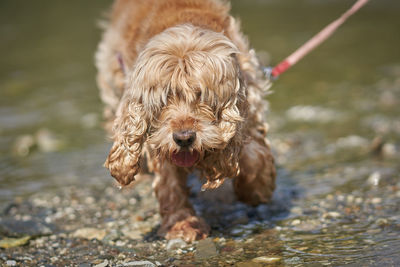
<point x="184" y="138"/>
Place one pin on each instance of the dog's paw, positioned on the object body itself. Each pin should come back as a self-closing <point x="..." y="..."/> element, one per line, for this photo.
<point x="190" y="229"/>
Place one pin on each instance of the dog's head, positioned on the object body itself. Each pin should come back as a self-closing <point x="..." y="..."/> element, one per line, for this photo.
<point x="185" y="98"/>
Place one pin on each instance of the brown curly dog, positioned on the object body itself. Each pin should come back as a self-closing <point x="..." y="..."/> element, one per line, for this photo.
<point x="183" y="91"/>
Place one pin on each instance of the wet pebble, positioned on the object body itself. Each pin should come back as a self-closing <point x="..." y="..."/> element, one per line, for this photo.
<point x="374" y="179"/>
<point x="331" y="215"/>
<point x="103" y="264"/>
<point x="139" y="264"/>
<point x="352" y="141"/>
<point x="266" y="259"/>
<point x="376" y="200"/>
<point x="295" y="222"/>
<point x="205" y="249"/>
<point x="382" y="222"/>
<point x="90" y="233"/>
<point x="312" y="114"/>
<point x="89" y="120"/>
<point x="389" y="150"/>
<point x="47" y="141"/>
<point x="293" y="260"/>
<point x="11" y="263"/>
<point x="14" y="242"/>
<point x="174" y="244"/>
<point x="44" y="140"/>
<point x="133" y="234"/>
<point x="30" y="227"/>
<point x="23" y="145"/>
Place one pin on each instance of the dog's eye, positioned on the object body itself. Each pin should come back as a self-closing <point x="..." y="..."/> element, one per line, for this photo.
<point x="198" y="94"/>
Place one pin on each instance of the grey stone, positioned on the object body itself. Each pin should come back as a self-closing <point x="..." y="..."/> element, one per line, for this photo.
<point x="11" y="263"/>
<point x="103" y="264"/>
<point x="175" y="244"/>
<point x="33" y="227"/>
<point x="205" y="249"/>
<point x="139" y="264"/>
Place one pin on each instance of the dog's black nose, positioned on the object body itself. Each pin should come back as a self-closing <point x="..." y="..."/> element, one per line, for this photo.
<point x="184" y="138"/>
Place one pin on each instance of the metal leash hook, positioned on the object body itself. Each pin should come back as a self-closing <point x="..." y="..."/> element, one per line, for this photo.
<point x="267" y="71"/>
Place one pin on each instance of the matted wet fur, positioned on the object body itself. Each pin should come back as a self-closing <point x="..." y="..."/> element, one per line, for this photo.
<point x="183" y="91"/>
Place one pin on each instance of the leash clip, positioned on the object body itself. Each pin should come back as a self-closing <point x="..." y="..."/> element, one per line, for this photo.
<point x="267" y="71"/>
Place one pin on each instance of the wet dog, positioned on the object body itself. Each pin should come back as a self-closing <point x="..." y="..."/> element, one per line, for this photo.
<point x="183" y="92"/>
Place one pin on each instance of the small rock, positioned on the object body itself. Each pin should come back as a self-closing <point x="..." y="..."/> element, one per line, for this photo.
<point x="47" y="141"/>
<point x="112" y="236"/>
<point x="351" y="141"/>
<point x="296" y="222"/>
<point x="205" y="249"/>
<point x="174" y="244"/>
<point x="23" y="145"/>
<point x="90" y="233"/>
<point x="350" y="199"/>
<point x="293" y="260"/>
<point x="14" y="242"/>
<point x="11" y="263"/>
<point x="21" y="228"/>
<point x="139" y="264"/>
<point x="120" y="243"/>
<point x="331" y="215"/>
<point x="382" y="222"/>
<point x="238" y="231"/>
<point x="89" y="120"/>
<point x="374" y="179"/>
<point x="133" y="234"/>
<point x="389" y="150"/>
<point x="248" y="264"/>
<point x="296" y="210"/>
<point x="308" y="225"/>
<point x="376" y="200"/>
<point x="103" y="264"/>
<point x="312" y="114"/>
<point x="359" y="200"/>
<point x="266" y="259"/>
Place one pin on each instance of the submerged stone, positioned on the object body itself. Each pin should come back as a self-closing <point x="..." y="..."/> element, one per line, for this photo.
<point x="90" y="233"/>
<point x="14" y="242"/>
<point x="266" y="259"/>
<point x="205" y="249"/>
<point x="17" y="228"/>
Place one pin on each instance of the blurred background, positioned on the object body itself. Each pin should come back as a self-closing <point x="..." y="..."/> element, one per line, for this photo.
<point x="334" y="117"/>
<point x="50" y="113"/>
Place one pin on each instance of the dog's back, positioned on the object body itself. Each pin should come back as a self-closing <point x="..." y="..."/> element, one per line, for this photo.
<point x="138" y="21"/>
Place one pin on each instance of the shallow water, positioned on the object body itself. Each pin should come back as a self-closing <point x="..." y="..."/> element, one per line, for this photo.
<point x="334" y="118"/>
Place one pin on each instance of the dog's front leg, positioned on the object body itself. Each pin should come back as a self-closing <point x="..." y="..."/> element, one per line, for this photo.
<point x="256" y="181"/>
<point x="178" y="215"/>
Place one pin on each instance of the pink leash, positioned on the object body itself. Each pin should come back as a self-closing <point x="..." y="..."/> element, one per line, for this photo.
<point x="273" y="73"/>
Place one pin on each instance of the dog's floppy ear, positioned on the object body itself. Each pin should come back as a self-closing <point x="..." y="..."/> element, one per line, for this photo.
<point x="130" y="129"/>
<point x="234" y="110"/>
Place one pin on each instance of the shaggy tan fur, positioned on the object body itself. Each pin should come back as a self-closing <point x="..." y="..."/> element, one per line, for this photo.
<point x="181" y="86"/>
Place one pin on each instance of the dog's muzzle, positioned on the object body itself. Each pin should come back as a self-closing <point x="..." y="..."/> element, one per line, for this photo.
<point x="185" y="138"/>
<point x="185" y="157"/>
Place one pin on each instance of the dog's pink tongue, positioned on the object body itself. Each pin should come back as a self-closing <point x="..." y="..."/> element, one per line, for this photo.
<point x="185" y="158"/>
